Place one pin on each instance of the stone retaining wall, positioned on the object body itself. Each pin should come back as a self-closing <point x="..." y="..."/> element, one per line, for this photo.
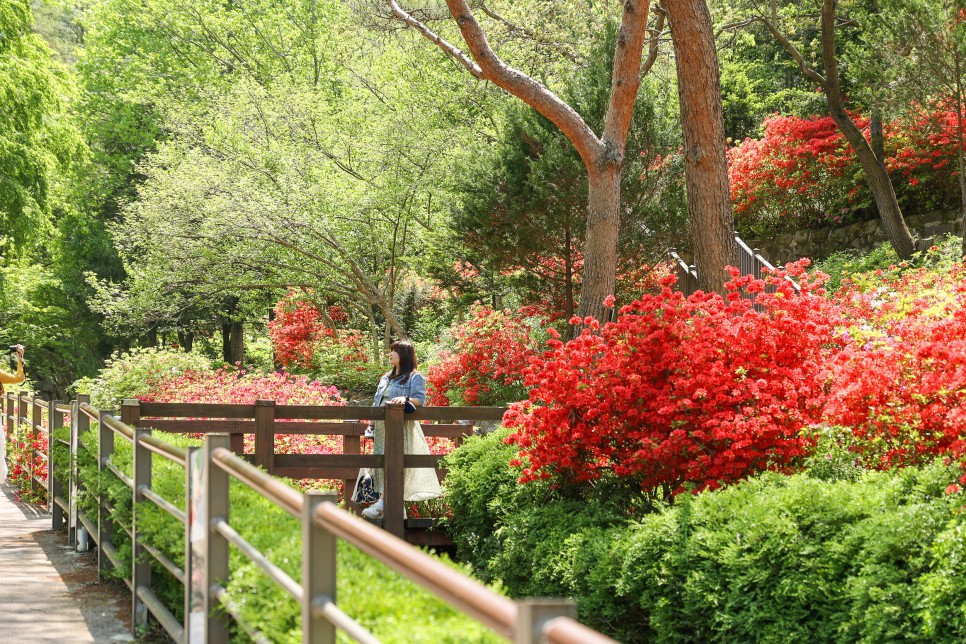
<point x="861" y="237"/>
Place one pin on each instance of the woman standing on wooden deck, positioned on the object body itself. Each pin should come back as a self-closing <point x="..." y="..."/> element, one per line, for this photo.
<point x="9" y="379"/>
<point x="400" y="385"/>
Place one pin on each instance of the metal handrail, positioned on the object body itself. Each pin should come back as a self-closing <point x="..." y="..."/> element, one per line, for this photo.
<point x="268" y="486"/>
<point x="168" y="451"/>
<point x="470" y="596"/>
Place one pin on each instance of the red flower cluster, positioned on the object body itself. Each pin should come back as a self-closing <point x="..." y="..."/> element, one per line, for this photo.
<point x="492" y="349"/>
<point x="701" y="389"/>
<point x="299" y="331"/>
<point x="900" y="380"/>
<point x="802" y="173"/>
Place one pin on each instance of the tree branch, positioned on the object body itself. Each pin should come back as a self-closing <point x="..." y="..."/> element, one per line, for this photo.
<point x="525" y="88"/>
<point x="790" y="48"/>
<point x="515" y="28"/>
<point x="430" y="35"/>
<point x="627" y="75"/>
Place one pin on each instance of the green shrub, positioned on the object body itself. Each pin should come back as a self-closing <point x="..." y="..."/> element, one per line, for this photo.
<point x="833" y="555"/>
<point x="132" y="373"/>
<point x="842" y="264"/>
<point x="392" y="607"/>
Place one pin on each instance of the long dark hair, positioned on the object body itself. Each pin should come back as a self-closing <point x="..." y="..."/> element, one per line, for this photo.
<point x="407" y="359"/>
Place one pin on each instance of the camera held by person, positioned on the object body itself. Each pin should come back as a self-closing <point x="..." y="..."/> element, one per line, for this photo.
<point x="13" y="378"/>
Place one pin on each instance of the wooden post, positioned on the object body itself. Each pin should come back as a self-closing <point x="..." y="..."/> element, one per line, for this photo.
<point x="140" y="566"/>
<point x="6" y="407"/>
<point x="194" y="544"/>
<point x="394" y="470"/>
<point x="265" y="434"/>
<point x="237" y="442"/>
<point x="216" y="546"/>
<point x="131" y="412"/>
<point x="105" y="525"/>
<point x="8" y="415"/>
<point x="55" y="483"/>
<point x="350" y="445"/>
<point x="79" y="425"/>
<point x="36" y="419"/>
<point x="318" y="571"/>
<point x="533" y="614"/>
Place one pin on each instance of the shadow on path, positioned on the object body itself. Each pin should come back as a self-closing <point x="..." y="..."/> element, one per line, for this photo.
<point x="48" y="592"/>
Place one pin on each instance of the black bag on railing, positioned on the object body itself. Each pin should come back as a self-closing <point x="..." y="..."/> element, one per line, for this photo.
<point x="365" y="491"/>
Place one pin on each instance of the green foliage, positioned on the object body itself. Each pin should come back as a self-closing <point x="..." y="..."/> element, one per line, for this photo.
<point x="833" y="458"/>
<point x="355" y="380"/>
<point x="392" y="607"/>
<point x="869" y="558"/>
<point x="849" y="264"/>
<point x="38" y="141"/>
<point x="131" y="374"/>
<point x="504" y="543"/>
<point x="37" y="313"/>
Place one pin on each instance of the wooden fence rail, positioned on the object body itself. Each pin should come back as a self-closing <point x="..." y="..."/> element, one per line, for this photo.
<point x="205" y="511"/>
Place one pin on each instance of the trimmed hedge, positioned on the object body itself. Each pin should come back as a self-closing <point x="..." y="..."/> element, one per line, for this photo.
<point x="776" y="558"/>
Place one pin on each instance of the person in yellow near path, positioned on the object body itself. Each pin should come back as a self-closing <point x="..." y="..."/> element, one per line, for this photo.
<point x="9" y="379"/>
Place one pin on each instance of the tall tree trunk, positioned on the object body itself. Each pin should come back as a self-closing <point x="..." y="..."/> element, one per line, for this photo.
<point x="186" y="339"/>
<point x="877" y="135"/>
<point x="893" y="223"/>
<point x="603" y="224"/>
<point x="226" y="342"/>
<point x="884" y="194"/>
<point x="233" y="342"/>
<point x="568" y="274"/>
<point x="712" y="227"/>
<point x="603" y="156"/>
<point x="960" y="141"/>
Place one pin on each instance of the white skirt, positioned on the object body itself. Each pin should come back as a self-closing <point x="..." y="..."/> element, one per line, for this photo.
<point x="419" y="484"/>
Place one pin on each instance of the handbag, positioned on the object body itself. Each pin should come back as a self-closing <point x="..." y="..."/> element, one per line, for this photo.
<point x="365" y="491"/>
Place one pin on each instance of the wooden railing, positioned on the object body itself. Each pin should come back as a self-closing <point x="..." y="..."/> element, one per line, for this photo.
<point x="265" y="420"/>
<point x="208" y="535"/>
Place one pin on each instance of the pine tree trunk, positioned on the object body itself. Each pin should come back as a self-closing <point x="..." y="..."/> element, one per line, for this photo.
<point x="600" y="250"/>
<point x="883" y="193"/>
<point x="960" y="140"/>
<point x="712" y="228"/>
<point x="893" y="223"/>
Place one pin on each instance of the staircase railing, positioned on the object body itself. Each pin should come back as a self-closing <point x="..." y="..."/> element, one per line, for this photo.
<point x="750" y="262"/>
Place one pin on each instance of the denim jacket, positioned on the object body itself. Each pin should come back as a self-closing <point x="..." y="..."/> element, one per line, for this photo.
<point x="414" y="386"/>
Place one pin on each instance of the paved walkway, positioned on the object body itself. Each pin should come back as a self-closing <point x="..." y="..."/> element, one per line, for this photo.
<point x="48" y="592"/>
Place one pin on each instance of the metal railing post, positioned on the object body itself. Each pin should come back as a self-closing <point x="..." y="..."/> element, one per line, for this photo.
<point x="79" y="424"/>
<point x="216" y="546"/>
<point x="534" y="614"/>
<point x="140" y="565"/>
<point x="105" y="525"/>
<point x="55" y="484"/>
<point x="194" y="544"/>
<point x="394" y="473"/>
<point x="318" y="572"/>
<point x="265" y="434"/>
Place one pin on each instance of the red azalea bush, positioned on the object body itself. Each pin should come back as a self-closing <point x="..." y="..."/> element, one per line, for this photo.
<point x="486" y="366"/>
<point x="803" y="174"/>
<point x="703" y="389"/>
<point x="299" y="328"/>
<point x="900" y="379"/>
<point x="238" y="386"/>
